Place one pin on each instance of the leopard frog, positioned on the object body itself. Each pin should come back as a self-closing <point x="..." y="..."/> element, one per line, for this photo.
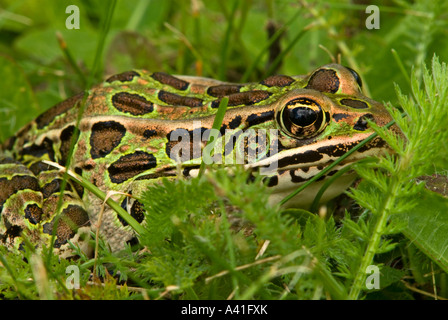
<point x="133" y="133"/>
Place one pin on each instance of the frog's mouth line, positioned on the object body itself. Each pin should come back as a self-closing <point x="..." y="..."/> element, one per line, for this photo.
<point x="319" y="154"/>
<point x="308" y="159"/>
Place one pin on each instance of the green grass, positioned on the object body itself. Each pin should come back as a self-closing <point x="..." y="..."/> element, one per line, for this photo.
<point x="216" y="237"/>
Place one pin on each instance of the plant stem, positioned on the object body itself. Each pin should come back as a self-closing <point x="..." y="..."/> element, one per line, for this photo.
<point x="374" y="242"/>
<point x="225" y="45"/>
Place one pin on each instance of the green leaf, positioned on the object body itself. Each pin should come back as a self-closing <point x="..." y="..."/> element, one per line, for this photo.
<point x="427" y="226"/>
<point x="43" y="45"/>
<point x="16" y="98"/>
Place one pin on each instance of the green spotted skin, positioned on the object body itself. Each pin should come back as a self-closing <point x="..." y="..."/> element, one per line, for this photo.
<point x="129" y="139"/>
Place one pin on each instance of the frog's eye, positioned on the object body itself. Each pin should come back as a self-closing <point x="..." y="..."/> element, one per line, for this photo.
<point x="302" y="118"/>
<point x="324" y="80"/>
<point x="336" y="79"/>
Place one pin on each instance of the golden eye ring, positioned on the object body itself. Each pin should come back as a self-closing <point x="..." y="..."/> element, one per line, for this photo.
<point x="302" y="118"/>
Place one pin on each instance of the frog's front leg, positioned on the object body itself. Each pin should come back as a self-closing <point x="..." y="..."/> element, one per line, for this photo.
<point x="28" y="204"/>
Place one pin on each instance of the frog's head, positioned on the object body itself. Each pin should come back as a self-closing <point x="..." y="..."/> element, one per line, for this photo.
<point x="318" y="123"/>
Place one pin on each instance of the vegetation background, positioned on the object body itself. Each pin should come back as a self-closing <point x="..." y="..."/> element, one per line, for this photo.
<point x="238" y="40"/>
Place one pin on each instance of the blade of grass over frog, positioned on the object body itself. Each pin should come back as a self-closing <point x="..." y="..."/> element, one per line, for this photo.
<point x="7" y="14"/>
<point x="331" y="166"/>
<point x="74" y="139"/>
<point x="97" y="63"/>
<point x="401" y="66"/>
<point x="217" y="122"/>
<point x="264" y="50"/>
<point x="328" y="182"/>
<point x="197" y="40"/>
<point x="225" y="44"/>
<point x="243" y="14"/>
<point x="197" y="55"/>
<point x="101" y="195"/>
<point x="114" y="205"/>
<point x="71" y="60"/>
<point x="137" y="15"/>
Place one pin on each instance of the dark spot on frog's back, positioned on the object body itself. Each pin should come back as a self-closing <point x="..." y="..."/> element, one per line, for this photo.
<point x="53" y="187"/>
<point x="123" y="77"/>
<point x="79" y="188"/>
<point x="170" y="80"/>
<point x="256" y="118"/>
<point x="132" y="103"/>
<point x="173" y="99"/>
<point x="71" y="219"/>
<point x="12" y="232"/>
<point x="39" y="150"/>
<point x="244" y="98"/>
<point x="277" y="81"/>
<point x="105" y="137"/>
<point x="33" y="213"/>
<point x="47" y="117"/>
<point x="223" y="90"/>
<point x="149" y="133"/>
<point x="66" y="140"/>
<point x="131" y="165"/>
<point x="137" y="211"/>
<point x="39" y="166"/>
<point x="15" y="184"/>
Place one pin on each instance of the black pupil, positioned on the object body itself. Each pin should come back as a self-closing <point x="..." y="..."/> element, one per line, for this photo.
<point x="302" y="116"/>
